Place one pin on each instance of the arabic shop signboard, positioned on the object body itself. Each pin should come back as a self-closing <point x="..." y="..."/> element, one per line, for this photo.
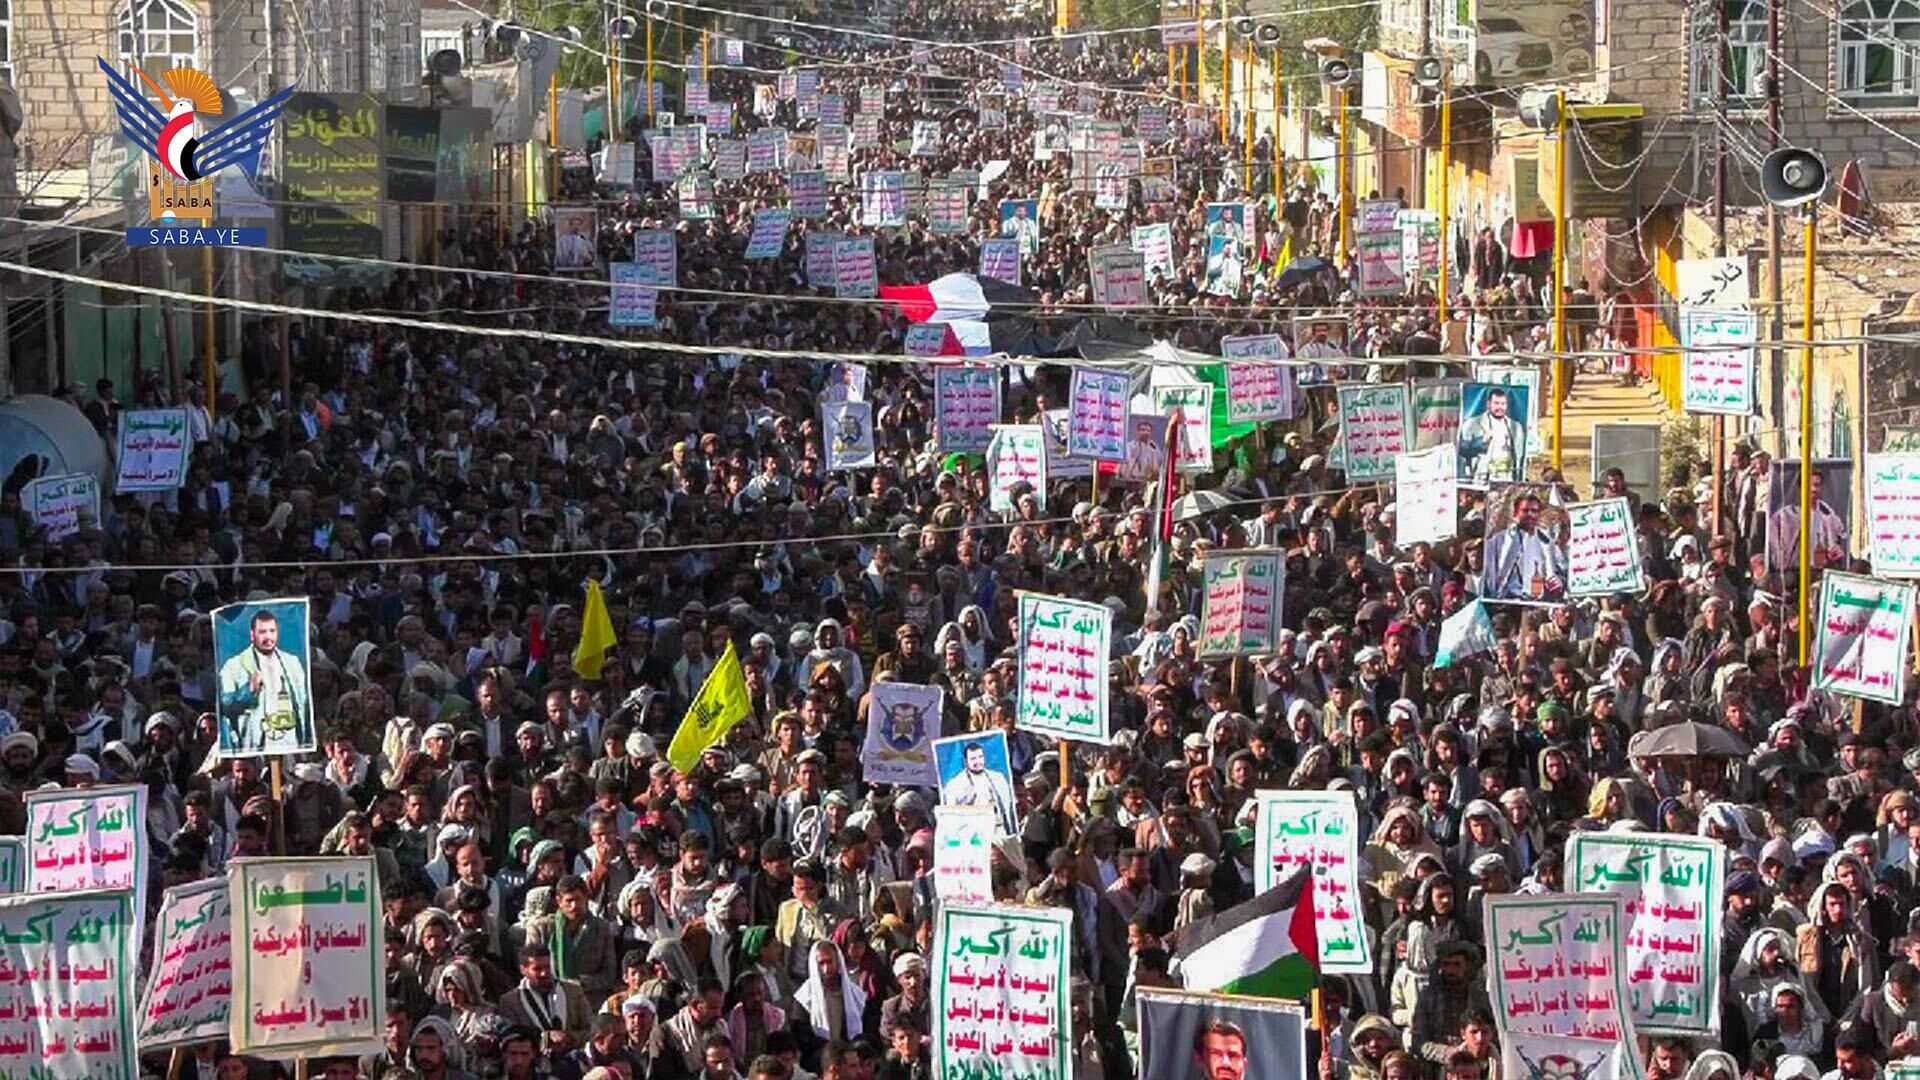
<point x="334" y="173"/>
<point x="1321" y="830"/>
<point x="190" y="985"/>
<point x="1001" y="983"/>
<point x="72" y="960"/>
<point x="1671" y="895"/>
<point x="308" y="957"/>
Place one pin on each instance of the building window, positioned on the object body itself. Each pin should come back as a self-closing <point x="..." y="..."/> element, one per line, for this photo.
<point x="6" y="42"/>
<point x="159" y="35"/>
<point x="1880" y="52"/>
<point x="1746" y="57"/>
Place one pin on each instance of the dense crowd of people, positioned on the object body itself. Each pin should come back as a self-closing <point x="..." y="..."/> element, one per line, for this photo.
<point x="560" y="901"/>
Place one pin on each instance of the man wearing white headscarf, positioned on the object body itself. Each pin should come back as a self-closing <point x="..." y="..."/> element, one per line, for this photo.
<point x="830" y="1009"/>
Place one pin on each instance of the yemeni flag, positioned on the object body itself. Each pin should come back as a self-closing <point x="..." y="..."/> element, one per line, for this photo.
<point x="1266" y="947"/>
<point x="956" y="297"/>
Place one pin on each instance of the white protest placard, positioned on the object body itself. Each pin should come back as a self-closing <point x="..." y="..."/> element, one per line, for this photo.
<point x="847" y="429"/>
<point x="1054" y="429"/>
<point x="836" y="157"/>
<point x="865" y="132"/>
<point x="927" y="339"/>
<point x="1192" y="449"/>
<point x="13" y="865"/>
<point x="1119" y="277"/>
<point x="1556" y="965"/>
<point x="807" y="194"/>
<point x="769" y="234"/>
<point x="1377" y="216"/>
<point x="1097" y="415"/>
<point x="902" y="721"/>
<point x="966" y="406"/>
<point x="1240" y="603"/>
<point x="947" y="208"/>
<point x="152" y="451"/>
<point x="766" y="149"/>
<point x="58" y="504"/>
<point x="1716" y="368"/>
<point x="1426" y="496"/>
<point x="1382" y="272"/>
<point x="1373" y="428"/>
<point x="309" y="966"/>
<point x="694" y="194"/>
<point x="87" y="838"/>
<point x="1861" y="643"/>
<point x="1319" y="830"/>
<point x="1000" y="982"/>
<point x="630" y="301"/>
<point x="854" y="271"/>
<point x="883" y="199"/>
<point x="71" y="960"/>
<point x="1155" y="245"/>
<point x="657" y="254"/>
<point x="1893" y="514"/>
<point x="820" y="259"/>
<point x="189" y="989"/>
<point x="1603" y="549"/>
<point x="1436" y="413"/>
<point x="1000" y="259"/>
<point x="1064" y="648"/>
<point x="730" y="159"/>
<point x="963" y="854"/>
<point x="926" y="138"/>
<point x="1257" y="392"/>
<point x="1016" y="454"/>
<point x="833" y="109"/>
<point x="1672" y="892"/>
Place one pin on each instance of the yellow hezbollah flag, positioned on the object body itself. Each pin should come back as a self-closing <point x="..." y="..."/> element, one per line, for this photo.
<point x="720" y="704"/>
<point x="596" y="634"/>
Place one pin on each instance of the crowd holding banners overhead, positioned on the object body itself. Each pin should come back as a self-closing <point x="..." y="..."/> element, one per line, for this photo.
<point x="188" y="993"/>
<point x="1220" y="1037"/>
<point x="1672" y="896"/>
<point x="70" y="1008"/>
<point x="307" y="957"/>
<point x="1320" y="832"/>
<point x="263" y="653"/>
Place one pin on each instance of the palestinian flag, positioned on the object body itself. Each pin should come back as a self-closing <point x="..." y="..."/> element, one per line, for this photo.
<point x="1163" y="513"/>
<point x="1266" y="947"/>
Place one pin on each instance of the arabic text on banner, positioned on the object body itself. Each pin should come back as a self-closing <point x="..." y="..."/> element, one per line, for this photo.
<point x="963" y="854"/>
<point x="1603" y="549"/>
<point x="854" y="271"/>
<point x="190" y="985"/>
<point x="1193" y="453"/>
<point x="629" y="302"/>
<point x="151" y="454"/>
<point x="1064" y="647"/>
<point x="769" y="233"/>
<point x="820" y="256"/>
<point x="74" y="959"/>
<point x="1155" y="245"/>
<point x="1426" y="494"/>
<point x="1000" y="259"/>
<point x="1061" y="466"/>
<point x="1001" y="982"/>
<point x="1097" y="415"/>
<point x="1373" y="428"/>
<point x="13" y="865"/>
<point x="1893" y="514"/>
<point x="1240" y="607"/>
<point x="1321" y="830"/>
<point x="947" y="209"/>
<point x="1861" y="642"/>
<point x="309" y="957"/>
<point x="1376" y="216"/>
<point x="1436" y="413"/>
<point x="1119" y="277"/>
<point x="883" y="199"/>
<point x="902" y="721"/>
<point x="807" y="193"/>
<point x="1717" y="381"/>
<point x="657" y="255"/>
<point x="1381" y="272"/>
<point x="94" y="838"/>
<point x="766" y="147"/>
<point x="1257" y="392"/>
<point x="966" y="405"/>
<point x="1017" y="454"/>
<point x="1556" y="966"/>
<point x="55" y="504"/>
<point x="1671" y="891"/>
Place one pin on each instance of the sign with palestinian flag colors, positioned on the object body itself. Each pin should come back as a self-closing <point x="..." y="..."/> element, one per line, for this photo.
<point x="1265" y="947"/>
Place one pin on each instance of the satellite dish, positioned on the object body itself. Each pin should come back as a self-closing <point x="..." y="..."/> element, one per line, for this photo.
<point x="1792" y="176"/>
<point x="445" y="63"/>
<point x="1336" y="72"/>
<point x="1427" y="72"/>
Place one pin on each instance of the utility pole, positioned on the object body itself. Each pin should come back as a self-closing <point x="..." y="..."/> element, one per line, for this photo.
<point x="1720" y="70"/>
<point x="1776" y="319"/>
